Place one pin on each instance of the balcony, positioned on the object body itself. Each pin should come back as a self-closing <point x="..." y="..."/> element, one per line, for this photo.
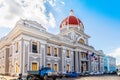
<point x="48" y="54"/>
<point x="34" y="51"/>
<point x="55" y="55"/>
<point x="16" y="51"/>
<point x="84" y="59"/>
<point x="68" y="56"/>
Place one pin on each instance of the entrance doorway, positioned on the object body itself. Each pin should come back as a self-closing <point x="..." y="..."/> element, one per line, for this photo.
<point x="84" y="66"/>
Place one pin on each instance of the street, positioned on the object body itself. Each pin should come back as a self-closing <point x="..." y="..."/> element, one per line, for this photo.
<point x="104" y="77"/>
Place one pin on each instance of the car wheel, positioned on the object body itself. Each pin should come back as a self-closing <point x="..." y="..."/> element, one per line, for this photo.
<point x="54" y="78"/>
<point x="45" y="77"/>
<point x="64" y="75"/>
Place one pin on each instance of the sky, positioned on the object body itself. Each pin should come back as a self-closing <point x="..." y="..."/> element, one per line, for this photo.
<point x="101" y="19"/>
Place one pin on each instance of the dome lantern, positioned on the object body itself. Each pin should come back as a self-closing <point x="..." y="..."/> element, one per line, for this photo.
<point x="71" y="12"/>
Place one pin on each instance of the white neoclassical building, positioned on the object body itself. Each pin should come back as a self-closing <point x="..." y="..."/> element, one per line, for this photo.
<point x="29" y="47"/>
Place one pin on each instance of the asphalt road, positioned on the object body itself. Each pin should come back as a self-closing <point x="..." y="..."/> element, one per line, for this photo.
<point x="103" y="77"/>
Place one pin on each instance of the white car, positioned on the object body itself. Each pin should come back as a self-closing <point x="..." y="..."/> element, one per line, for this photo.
<point x="118" y="73"/>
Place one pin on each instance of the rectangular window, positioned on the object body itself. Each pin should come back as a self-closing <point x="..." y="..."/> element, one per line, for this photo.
<point x="48" y="51"/>
<point x="83" y="55"/>
<point x="68" y="54"/>
<point x="55" y="52"/>
<point x="34" y="47"/>
<point x="16" y="46"/>
<point x="10" y="51"/>
<point x="49" y="65"/>
<point x="34" y="66"/>
<point x="68" y="68"/>
<point x="55" y="67"/>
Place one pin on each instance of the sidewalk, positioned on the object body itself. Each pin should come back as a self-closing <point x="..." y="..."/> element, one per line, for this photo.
<point x="8" y="77"/>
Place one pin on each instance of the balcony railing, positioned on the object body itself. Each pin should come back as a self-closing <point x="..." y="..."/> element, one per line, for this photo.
<point x="34" y="51"/>
<point x="68" y="56"/>
<point x="49" y="54"/>
<point x="16" y="51"/>
<point x="55" y="55"/>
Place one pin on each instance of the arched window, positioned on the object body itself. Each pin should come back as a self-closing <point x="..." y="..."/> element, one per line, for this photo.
<point x="81" y="41"/>
<point x="48" y="50"/>
<point x="68" y="54"/>
<point x="16" y="47"/>
<point x="49" y="65"/>
<point x="55" y="52"/>
<point x="68" y="68"/>
<point x="55" y="67"/>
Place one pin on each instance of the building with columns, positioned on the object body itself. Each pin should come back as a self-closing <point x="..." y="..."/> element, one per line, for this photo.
<point x="29" y="47"/>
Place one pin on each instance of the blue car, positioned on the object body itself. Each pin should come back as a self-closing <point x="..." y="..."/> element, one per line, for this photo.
<point x="71" y="74"/>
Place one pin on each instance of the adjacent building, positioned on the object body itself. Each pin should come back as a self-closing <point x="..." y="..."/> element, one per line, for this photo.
<point x="109" y="64"/>
<point x="29" y="47"/>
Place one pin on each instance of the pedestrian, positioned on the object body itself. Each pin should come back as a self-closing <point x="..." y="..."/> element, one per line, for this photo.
<point x="20" y="76"/>
<point x="28" y="76"/>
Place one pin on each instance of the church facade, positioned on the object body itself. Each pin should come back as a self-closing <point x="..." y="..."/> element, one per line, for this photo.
<point x="29" y="47"/>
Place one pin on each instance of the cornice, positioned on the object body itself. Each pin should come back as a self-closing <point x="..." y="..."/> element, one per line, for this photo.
<point x="74" y="30"/>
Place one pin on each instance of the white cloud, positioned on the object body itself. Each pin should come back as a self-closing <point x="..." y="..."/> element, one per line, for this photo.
<point x="52" y="2"/>
<point x="13" y="10"/>
<point x="62" y="2"/>
<point x="116" y="54"/>
<point x="1" y="4"/>
<point x="7" y="19"/>
<point x="52" y="21"/>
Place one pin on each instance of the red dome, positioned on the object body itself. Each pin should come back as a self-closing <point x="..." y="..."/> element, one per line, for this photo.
<point x="71" y="20"/>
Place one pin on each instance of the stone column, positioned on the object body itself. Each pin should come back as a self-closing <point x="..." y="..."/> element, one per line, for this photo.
<point x="61" y="58"/>
<point x="43" y="52"/>
<point x="76" y="61"/>
<point x="25" y="57"/>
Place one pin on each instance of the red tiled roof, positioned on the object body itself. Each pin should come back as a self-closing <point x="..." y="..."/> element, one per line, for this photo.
<point x="71" y="20"/>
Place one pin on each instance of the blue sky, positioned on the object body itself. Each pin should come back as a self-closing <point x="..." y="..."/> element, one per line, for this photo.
<point x="101" y="19"/>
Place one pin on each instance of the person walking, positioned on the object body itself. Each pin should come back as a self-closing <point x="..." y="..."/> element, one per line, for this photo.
<point x="20" y="76"/>
<point x="28" y="76"/>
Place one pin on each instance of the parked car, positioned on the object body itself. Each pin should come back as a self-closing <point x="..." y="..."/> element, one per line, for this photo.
<point x="60" y="75"/>
<point x="118" y="73"/>
<point x="101" y="73"/>
<point x="97" y="73"/>
<point x="86" y="73"/>
<point x="92" y="73"/>
<point x="113" y="72"/>
<point x="44" y="73"/>
<point x="71" y="74"/>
